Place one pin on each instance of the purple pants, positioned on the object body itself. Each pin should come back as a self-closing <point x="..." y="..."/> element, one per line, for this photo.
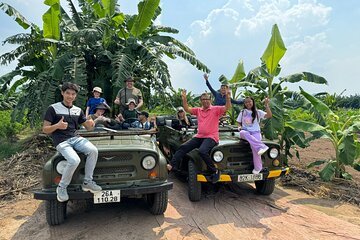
<point x="254" y="139"/>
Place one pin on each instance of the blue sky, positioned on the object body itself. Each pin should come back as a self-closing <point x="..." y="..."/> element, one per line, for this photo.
<point x="322" y="37"/>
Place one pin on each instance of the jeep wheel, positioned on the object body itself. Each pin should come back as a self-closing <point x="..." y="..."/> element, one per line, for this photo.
<point x="55" y="212"/>
<point x="265" y="187"/>
<point x="193" y="185"/>
<point x="157" y="202"/>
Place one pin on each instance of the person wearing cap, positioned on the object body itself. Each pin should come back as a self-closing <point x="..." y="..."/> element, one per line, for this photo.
<point x="129" y="91"/>
<point x="220" y="96"/>
<point x="184" y="121"/>
<point x="99" y="117"/>
<point x="143" y="122"/>
<point x="61" y="122"/>
<point x="207" y="135"/>
<point x="130" y="115"/>
<point x="94" y="101"/>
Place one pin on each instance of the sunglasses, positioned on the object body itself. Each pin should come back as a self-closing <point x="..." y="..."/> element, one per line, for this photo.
<point x="205" y="99"/>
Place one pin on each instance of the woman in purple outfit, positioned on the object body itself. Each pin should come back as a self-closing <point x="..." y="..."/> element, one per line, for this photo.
<point x="248" y="121"/>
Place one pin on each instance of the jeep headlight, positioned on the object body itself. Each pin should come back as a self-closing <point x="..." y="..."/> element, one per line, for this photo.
<point x="60" y="166"/>
<point x="273" y="153"/>
<point x="218" y="156"/>
<point x="148" y="162"/>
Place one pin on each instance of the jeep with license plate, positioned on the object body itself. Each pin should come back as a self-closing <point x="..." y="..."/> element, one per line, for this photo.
<point x="232" y="156"/>
<point x="129" y="164"/>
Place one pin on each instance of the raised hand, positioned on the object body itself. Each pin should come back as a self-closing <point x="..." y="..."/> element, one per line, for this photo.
<point x="183" y="93"/>
<point x="206" y="77"/>
<point x="266" y="101"/>
<point x="62" y="124"/>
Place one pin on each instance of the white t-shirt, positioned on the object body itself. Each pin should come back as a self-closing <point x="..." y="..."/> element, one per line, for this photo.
<point x="246" y="120"/>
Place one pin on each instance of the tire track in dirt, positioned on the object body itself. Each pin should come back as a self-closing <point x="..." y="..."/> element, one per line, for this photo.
<point x="224" y="212"/>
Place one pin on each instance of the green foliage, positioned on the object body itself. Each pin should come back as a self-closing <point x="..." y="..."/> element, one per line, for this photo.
<point x="8" y="128"/>
<point x="260" y="82"/>
<point x="352" y="101"/>
<point x="340" y="130"/>
<point x="168" y="102"/>
<point x="96" y="46"/>
<point x="7" y="103"/>
<point x="274" y="51"/>
<point x="300" y="114"/>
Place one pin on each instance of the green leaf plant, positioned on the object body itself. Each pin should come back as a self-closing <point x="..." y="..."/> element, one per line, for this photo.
<point x="97" y="45"/>
<point x="341" y="132"/>
<point x="262" y="81"/>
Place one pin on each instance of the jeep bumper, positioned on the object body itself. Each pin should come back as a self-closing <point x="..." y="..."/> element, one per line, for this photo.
<point x="234" y="178"/>
<point x="130" y="191"/>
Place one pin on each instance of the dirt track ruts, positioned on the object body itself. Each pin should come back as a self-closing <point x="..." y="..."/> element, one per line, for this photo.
<point x="226" y="212"/>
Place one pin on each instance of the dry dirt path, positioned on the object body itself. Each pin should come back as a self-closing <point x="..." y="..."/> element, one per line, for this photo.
<point x="232" y="212"/>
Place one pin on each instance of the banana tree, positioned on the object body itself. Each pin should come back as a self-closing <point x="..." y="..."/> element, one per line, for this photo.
<point x="262" y="81"/>
<point x="341" y="132"/>
<point x="97" y="46"/>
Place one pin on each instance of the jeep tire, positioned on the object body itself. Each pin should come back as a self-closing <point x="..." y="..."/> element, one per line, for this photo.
<point x="265" y="187"/>
<point x="194" y="187"/>
<point x="157" y="202"/>
<point x="55" y="212"/>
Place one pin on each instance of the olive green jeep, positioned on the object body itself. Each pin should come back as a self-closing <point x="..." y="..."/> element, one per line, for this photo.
<point x="129" y="164"/>
<point x="232" y="156"/>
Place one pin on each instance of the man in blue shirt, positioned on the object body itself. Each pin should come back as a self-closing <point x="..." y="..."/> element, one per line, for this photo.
<point x="220" y="96"/>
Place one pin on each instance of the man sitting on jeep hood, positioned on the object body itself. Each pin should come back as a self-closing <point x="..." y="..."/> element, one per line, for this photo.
<point x="208" y="132"/>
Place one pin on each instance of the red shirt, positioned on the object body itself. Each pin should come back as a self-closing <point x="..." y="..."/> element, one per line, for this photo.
<point x="208" y="121"/>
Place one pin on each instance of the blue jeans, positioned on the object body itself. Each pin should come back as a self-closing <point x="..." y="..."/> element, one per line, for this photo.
<point x="68" y="149"/>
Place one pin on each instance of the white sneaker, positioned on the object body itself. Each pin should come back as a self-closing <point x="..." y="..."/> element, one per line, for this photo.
<point x="262" y="150"/>
<point x="61" y="194"/>
<point x="91" y="187"/>
<point x="255" y="171"/>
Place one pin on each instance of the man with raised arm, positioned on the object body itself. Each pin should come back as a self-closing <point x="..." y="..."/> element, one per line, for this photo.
<point x="220" y="96"/>
<point x="208" y="132"/>
<point x="61" y="121"/>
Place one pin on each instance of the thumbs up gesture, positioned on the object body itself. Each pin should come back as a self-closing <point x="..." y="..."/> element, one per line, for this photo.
<point x="61" y="124"/>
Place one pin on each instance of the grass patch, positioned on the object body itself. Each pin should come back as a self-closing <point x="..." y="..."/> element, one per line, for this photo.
<point x="9" y="147"/>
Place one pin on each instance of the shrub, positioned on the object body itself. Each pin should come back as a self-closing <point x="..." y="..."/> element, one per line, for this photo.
<point x="8" y="128"/>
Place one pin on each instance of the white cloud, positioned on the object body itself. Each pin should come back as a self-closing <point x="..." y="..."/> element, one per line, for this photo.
<point x="303" y="55"/>
<point x="218" y="17"/>
<point x="297" y="17"/>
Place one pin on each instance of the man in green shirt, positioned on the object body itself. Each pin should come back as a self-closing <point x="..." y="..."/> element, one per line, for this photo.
<point x="128" y="92"/>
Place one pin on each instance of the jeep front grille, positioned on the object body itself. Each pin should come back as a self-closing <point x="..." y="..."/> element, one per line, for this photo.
<point x="118" y="157"/>
<point x="114" y="170"/>
<point x="240" y="157"/>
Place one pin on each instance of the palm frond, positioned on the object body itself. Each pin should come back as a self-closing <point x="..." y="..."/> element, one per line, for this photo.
<point x="6" y="79"/>
<point x="153" y="30"/>
<point x="20" y="38"/>
<point x="185" y="55"/>
<point x="12" y="12"/>
<point x="75" y="72"/>
<point x="123" y="65"/>
<point x="75" y="15"/>
<point x="40" y="94"/>
<point x="170" y="41"/>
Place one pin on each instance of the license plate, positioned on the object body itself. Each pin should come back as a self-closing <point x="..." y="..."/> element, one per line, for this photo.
<point x="250" y="177"/>
<point x="107" y="196"/>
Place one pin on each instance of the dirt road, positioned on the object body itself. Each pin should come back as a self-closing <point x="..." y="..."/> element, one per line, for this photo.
<point x="228" y="212"/>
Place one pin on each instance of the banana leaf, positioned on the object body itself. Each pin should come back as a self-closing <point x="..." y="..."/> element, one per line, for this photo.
<point x="328" y="172"/>
<point x="318" y="105"/>
<point x="146" y="11"/>
<point x="274" y="51"/>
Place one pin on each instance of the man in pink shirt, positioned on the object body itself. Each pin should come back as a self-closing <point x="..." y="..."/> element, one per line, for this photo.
<point x="208" y="132"/>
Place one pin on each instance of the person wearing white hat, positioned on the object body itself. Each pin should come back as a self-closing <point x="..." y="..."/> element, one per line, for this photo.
<point x="184" y="121"/>
<point x="94" y="101"/>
